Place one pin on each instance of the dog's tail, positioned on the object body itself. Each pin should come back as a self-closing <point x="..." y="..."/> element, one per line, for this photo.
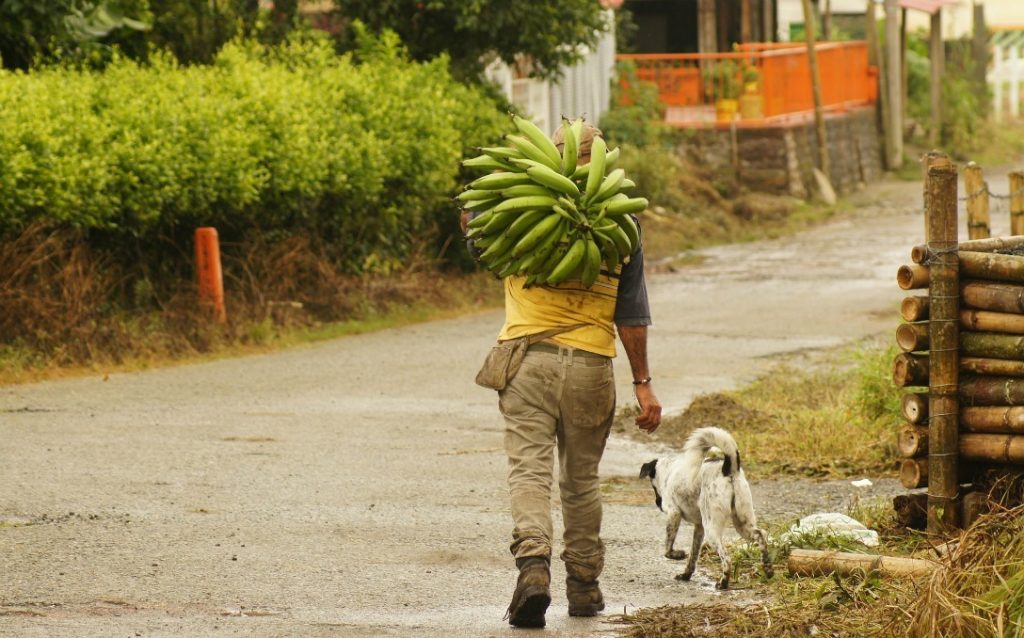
<point x="703" y="439"/>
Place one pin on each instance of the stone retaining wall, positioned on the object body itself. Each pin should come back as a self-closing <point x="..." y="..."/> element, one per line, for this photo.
<point x="780" y="159"/>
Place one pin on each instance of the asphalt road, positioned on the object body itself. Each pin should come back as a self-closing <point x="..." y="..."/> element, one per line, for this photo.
<point x="356" y="487"/>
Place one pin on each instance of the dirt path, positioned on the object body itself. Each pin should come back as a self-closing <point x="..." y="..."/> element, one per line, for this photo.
<point x="355" y="488"/>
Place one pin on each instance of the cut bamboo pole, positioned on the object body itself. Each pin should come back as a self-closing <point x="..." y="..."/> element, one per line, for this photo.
<point x="977" y="202"/>
<point x="987" y="321"/>
<point x="912" y="277"/>
<point x="911" y="337"/>
<point x="914" y="309"/>
<point x="914" y="473"/>
<point x="992" y="448"/>
<point x="1001" y="391"/>
<point x="816" y="562"/>
<point x="912" y="441"/>
<point x="943" y="357"/>
<point x="1016" y="203"/>
<point x="989" y="295"/>
<point x="992" y="420"/>
<point x="910" y="370"/>
<point x="931" y="159"/>
<point x="914" y="406"/>
<point x="992" y="244"/>
<point x="991" y="346"/>
<point x="991" y="367"/>
<point x="991" y="266"/>
<point x="919" y="254"/>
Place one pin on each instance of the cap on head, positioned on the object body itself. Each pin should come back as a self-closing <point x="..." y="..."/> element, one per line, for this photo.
<point x="587" y="135"/>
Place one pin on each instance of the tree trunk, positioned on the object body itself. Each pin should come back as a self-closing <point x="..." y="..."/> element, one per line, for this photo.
<point x="1002" y="391"/>
<point x="912" y="441"/>
<point x="992" y="266"/>
<point x="977" y="202"/>
<point x="912" y="337"/>
<point x="914" y="406"/>
<point x="819" y="115"/>
<point x="992" y="420"/>
<point x="987" y="295"/>
<point x="912" y="277"/>
<point x="993" y="448"/>
<point x="745" y="22"/>
<point x="914" y="309"/>
<point x="826" y="21"/>
<point x="991" y="346"/>
<point x="816" y="562"/>
<point x="943" y="357"/>
<point x="910" y="370"/>
<point x="991" y="367"/>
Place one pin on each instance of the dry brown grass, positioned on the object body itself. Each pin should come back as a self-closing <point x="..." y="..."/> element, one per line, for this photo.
<point x="64" y="305"/>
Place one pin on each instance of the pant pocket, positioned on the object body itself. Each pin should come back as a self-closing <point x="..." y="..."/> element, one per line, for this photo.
<point x="593" y="396"/>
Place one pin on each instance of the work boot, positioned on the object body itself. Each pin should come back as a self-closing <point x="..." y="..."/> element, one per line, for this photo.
<point x="585" y="598"/>
<point x="532" y="595"/>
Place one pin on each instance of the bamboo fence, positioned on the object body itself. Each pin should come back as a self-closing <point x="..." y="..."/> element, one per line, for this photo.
<point x="962" y="363"/>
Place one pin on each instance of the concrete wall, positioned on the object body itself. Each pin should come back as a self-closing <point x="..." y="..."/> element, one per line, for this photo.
<point x="781" y="159"/>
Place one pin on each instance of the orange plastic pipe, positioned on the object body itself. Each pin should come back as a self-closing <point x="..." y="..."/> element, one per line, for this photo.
<point x="211" y="279"/>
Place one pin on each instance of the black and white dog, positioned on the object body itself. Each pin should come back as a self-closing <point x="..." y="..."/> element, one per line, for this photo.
<point x="706" y="493"/>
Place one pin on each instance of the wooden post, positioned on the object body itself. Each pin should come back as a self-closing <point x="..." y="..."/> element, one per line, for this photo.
<point x="826" y="21"/>
<point x="707" y="32"/>
<point x="992" y="266"/>
<point x="904" y="91"/>
<point x="989" y="295"/>
<point x="937" y="57"/>
<point x="745" y="22"/>
<point x="208" y="269"/>
<point x="819" y="115"/>
<point x="875" y="57"/>
<point x="894" y="129"/>
<point x="997" y="89"/>
<point x="979" y="54"/>
<point x="992" y="391"/>
<point x="993" y="419"/>
<point x="943" y="358"/>
<point x="977" y="202"/>
<point x="932" y="159"/>
<point x="1017" y="203"/>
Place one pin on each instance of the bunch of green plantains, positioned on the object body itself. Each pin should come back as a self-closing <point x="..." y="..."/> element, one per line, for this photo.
<point x="542" y="214"/>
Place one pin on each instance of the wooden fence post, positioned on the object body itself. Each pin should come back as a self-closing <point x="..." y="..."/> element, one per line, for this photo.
<point x="943" y="356"/>
<point x="1017" y="203"/>
<point x="977" y="203"/>
<point x="932" y="159"/>
<point x="208" y="269"/>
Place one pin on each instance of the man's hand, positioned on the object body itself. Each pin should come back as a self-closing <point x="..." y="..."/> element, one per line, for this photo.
<point x="650" y="409"/>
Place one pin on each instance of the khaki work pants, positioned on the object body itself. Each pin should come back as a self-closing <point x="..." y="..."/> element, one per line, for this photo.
<point x="565" y="399"/>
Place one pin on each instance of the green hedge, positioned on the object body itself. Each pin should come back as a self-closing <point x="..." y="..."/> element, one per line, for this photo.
<point x="292" y="140"/>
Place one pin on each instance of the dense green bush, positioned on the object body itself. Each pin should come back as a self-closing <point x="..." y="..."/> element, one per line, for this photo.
<point x="291" y="140"/>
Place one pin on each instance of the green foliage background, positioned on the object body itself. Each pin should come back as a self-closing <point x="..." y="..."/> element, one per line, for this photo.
<point x="294" y="140"/>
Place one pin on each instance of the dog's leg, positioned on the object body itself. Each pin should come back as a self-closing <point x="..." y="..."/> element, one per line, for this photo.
<point x="753" y="534"/>
<point x="715" y="541"/>
<point x="766" y="560"/>
<point x="671" y="530"/>
<point x="691" y="564"/>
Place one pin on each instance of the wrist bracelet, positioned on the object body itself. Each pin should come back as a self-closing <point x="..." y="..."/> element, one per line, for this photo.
<point x="642" y="381"/>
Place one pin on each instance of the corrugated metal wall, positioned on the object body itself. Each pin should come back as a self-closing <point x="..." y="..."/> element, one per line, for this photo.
<point x="583" y="89"/>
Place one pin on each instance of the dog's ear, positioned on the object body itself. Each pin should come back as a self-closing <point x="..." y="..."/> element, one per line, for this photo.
<point x="647" y="470"/>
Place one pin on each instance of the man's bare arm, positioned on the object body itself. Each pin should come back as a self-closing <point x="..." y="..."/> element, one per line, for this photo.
<point x="634" y="342"/>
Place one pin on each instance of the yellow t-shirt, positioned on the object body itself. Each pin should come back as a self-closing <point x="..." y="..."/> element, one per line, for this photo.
<point x="538" y="308"/>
